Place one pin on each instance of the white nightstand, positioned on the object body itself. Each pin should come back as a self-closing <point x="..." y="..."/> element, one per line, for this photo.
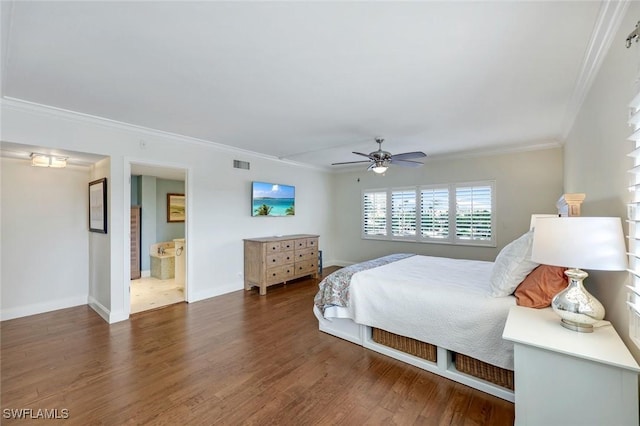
<point x="567" y="378"/>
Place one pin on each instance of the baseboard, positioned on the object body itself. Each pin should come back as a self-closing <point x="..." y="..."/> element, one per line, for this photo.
<point x="106" y="313"/>
<point x="99" y="308"/>
<point x="213" y="292"/>
<point x="40" y="308"/>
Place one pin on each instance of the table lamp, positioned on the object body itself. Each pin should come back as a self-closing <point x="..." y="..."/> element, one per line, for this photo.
<point x="595" y="243"/>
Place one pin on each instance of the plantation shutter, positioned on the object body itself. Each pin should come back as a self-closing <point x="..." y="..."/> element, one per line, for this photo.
<point x="434" y="213"/>
<point x="403" y="213"/>
<point x="474" y="213"/>
<point x="374" y="213"/>
<point x="633" y="218"/>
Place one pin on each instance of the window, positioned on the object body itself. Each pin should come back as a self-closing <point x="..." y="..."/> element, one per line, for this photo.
<point x="633" y="216"/>
<point x="474" y="213"/>
<point x="434" y="213"/>
<point x="403" y="213"/>
<point x="451" y="213"/>
<point x="374" y="214"/>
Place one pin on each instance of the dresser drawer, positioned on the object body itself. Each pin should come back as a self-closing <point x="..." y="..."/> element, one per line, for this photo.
<point x="306" y="254"/>
<point x="312" y="242"/>
<point x="273" y="246"/>
<point x="279" y="258"/>
<point x="279" y="274"/>
<point x="306" y="267"/>
<point x="300" y="243"/>
<point x="287" y="245"/>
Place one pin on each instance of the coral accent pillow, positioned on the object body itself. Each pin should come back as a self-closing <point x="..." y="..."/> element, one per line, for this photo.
<point x="544" y="282"/>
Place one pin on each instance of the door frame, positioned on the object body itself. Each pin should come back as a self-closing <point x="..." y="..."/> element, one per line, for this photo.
<point x="127" y="215"/>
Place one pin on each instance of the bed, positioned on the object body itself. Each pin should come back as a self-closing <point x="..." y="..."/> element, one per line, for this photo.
<point x="440" y="314"/>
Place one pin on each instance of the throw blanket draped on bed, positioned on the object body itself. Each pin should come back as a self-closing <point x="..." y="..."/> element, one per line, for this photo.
<point x="334" y="289"/>
<point x="442" y="301"/>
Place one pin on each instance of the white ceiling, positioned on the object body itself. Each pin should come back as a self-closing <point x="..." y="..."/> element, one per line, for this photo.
<point x="311" y="82"/>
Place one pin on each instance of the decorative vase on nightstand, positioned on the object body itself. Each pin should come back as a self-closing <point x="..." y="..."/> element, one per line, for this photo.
<point x="578" y="309"/>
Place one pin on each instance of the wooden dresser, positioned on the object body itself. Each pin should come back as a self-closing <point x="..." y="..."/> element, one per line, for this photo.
<point x="274" y="260"/>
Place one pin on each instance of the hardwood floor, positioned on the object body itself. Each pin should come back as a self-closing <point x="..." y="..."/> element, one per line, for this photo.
<point x="234" y="359"/>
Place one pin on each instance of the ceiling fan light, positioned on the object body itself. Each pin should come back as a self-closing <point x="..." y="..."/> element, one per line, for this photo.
<point x="39" y="160"/>
<point x="58" y="162"/>
<point x="379" y="168"/>
<point x="42" y="160"/>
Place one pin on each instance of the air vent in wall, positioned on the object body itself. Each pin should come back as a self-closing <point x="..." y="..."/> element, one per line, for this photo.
<point x="237" y="164"/>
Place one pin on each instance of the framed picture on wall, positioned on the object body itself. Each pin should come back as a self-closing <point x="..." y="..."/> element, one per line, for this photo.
<point x="175" y="208"/>
<point x="98" y="206"/>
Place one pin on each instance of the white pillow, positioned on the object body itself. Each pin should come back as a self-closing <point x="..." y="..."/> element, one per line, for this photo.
<point x="512" y="266"/>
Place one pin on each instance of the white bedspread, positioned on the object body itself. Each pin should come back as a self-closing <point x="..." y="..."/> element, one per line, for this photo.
<point x="442" y="301"/>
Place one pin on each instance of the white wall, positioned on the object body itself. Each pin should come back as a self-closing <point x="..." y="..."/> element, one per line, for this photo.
<point x="149" y="201"/>
<point x="596" y="162"/>
<point x="100" y="269"/>
<point x="167" y="231"/>
<point x="218" y="200"/>
<point x="44" y="239"/>
<point x="526" y="183"/>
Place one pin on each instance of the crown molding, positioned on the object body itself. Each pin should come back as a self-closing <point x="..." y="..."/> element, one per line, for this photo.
<point x="607" y="24"/>
<point x="139" y="131"/>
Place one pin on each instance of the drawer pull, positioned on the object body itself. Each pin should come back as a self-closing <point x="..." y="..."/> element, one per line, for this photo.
<point x="273" y="260"/>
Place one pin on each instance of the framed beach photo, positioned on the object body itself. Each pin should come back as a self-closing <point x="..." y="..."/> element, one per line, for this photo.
<point x="98" y="206"/>
<point x="175" y="208"/>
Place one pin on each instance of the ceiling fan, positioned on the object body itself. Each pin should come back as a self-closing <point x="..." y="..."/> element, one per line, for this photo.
<point x="381" y="160"/>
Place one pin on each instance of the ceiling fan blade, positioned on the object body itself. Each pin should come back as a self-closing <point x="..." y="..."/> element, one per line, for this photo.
<point x="349" y="162"/>
<point x="364" y="155"/>
<point x="406" y="163"/>
<point x="409" y="155"/>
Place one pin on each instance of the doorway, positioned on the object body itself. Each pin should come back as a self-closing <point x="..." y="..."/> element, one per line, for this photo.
<point x="158" y="236"/>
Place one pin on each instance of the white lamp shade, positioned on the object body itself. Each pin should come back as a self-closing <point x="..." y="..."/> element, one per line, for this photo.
<point x="580" y="242"/>
<point x="535" y="217"/>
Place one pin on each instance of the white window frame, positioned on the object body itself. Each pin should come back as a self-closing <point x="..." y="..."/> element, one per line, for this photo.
<point x="452" y="237"/>
<point x="363" y="218"/>
<point x="450" y="220"/>
<point x="390" y="213"/>
<point x="491" y="242"/>
<point x="633" y="219"/>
